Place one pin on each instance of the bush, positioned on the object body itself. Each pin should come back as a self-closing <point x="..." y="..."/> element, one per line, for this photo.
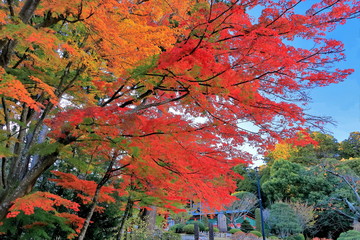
<point x="299" y="237"/>
<point x="170" y="236"/>
<point x="234" y="230"/>
<point x="246" y="226"/>
<point x="296" y="237"/>
<point x="177" y="228"/>
<point x="189" y="229"/>
<point x="273" y="237"/>
<point x="215" y="229"/>
<point x="244" y="236"/>
<point x="201" y="225"/>
<point x="350" y="235"/>
<point x="257" y="233"/>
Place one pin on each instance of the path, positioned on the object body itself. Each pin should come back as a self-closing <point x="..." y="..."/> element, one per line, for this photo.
<point x="191" y="237"/>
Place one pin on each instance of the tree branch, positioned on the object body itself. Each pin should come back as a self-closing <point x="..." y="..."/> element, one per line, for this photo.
<point x="347" y="182"/>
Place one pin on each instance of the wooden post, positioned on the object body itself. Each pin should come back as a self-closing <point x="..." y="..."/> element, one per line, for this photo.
<point x="196" y="231"/>
<point x="211" y="231"/>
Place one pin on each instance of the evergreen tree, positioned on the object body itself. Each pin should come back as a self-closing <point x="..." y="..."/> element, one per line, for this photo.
<point x="246" y="226"/>
<point x="283" y="220"/>
<point x="350" y="147"/>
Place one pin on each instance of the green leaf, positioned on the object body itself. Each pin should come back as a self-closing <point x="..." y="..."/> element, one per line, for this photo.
<point x="147" y="65"/>
<point x="135" y="151"/>
<point x="44" y="149"/>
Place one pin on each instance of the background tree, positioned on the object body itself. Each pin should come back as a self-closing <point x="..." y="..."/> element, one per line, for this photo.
<point x="331" y="186"/>
<point x="248" y="181"/>
<point x="246" y="226"/>
<point x="327" y="145"/>
<point x="304" y="212"/>
<point x="352" y="234"/>
<point x="329" y="224"/>
<point x="348" y="193"/>
<point x="244" y="203"/>
<point x="283" y="220"/>
<point x="351" y="166"/>
<point x="350" y="147"/>
<point x="181" y="217"/>
<point x="292" y="181"/>
<point x="307" y="154"/>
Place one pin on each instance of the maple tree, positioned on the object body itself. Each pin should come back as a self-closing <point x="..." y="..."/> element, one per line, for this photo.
<point x="170" y="86"/>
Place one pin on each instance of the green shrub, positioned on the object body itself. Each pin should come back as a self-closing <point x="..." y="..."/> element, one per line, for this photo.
<point x="201" y="225"/>
<point x="234" y="230"/>
<point x="177" y="228"/>
<point x="283" y="220"/>
<point x="215" y="229"/>
<point x="205" y="220"/>
<point x="298" y="236"/>
<point x="350" y="235"/>
<point x="189" y="229"/>
<point x="246" y="226"/>
<point x="170" y="236"/>
<point x="257" y="233"/>
<point x="273" y="237"/>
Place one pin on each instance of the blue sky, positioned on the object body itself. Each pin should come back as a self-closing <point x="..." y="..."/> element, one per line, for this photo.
<point x="342" y="101"/>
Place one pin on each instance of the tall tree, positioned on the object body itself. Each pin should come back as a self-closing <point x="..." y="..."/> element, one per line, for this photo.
<point x="350" y="147"/>
<point x="308" y="153"/>
<point x="133" y="76"/>
<point x="292" y="181"/>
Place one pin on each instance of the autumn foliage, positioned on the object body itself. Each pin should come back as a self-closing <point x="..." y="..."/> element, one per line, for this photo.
<point x="160" y="96"/>
<point x="85" y="188"/>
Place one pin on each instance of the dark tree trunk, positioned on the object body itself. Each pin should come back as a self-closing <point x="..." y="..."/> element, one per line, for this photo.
<point x="90" y="214"/>
<point x="196" y="231"/>
<point x="126" y="215"/>
<point x="211" y="231"/>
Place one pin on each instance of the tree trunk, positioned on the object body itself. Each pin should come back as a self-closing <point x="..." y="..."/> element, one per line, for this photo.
<point x="95" y="198"/>
<point x="20" y="187"/>
<point x="234" y="223"/>
<point x="211" y="231"/>
<point x="150" y="218"/>
<point x="196" y="231"/>
<point x="17" y="177"/>
<point x="126" y="215"/>
<point x="90" y="214"/>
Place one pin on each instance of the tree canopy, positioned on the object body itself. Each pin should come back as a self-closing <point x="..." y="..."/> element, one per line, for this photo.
<point x="328" y="184"/>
